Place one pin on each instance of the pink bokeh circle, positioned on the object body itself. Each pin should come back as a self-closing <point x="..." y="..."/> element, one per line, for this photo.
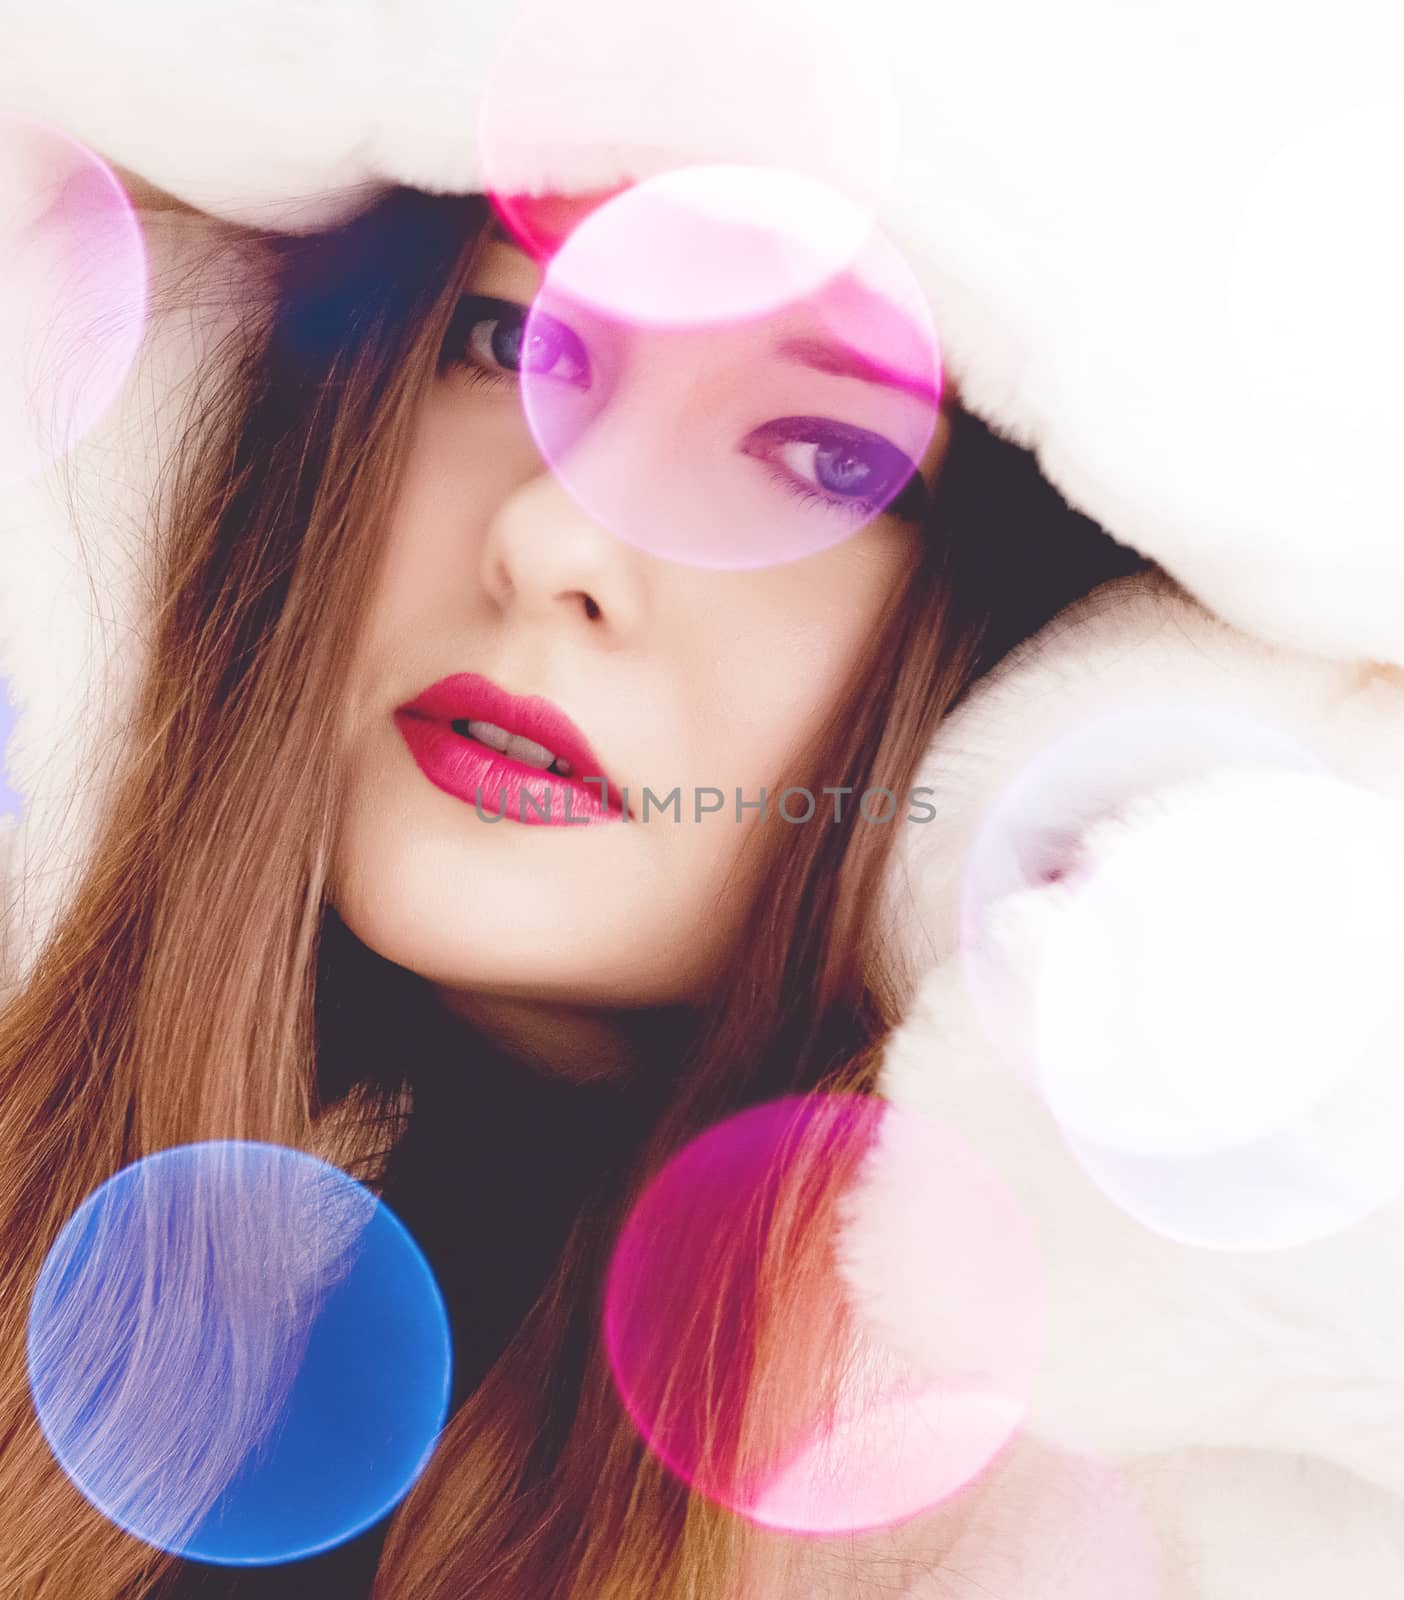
<point x="731" y="395"/>
<point x="783" y="83"/>
<point x="706" y="245"/>
<point x="73" y="301"/>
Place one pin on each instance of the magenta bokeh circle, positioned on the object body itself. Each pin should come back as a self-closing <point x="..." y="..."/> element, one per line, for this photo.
<point x="906" y="1433"/>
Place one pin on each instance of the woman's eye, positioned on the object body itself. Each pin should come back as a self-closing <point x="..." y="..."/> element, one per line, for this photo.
<point x="841" y="466"/>
<point x="489" y="339"/>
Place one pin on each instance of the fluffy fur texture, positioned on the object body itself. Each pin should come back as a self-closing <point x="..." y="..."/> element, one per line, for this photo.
<point x="1160" y="239"/>
<point x="1274" y="1376"/>
<point x="1162" y="242"/>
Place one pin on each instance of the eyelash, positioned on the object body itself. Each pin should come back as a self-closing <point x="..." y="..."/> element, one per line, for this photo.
<point x="907" y="504"/>
<point x="848" y="505"/>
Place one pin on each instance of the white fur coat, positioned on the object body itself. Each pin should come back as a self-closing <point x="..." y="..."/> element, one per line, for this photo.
<point x="1163" y="243"/>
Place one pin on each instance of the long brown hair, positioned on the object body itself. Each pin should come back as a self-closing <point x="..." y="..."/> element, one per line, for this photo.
<point x="198" y="985"/>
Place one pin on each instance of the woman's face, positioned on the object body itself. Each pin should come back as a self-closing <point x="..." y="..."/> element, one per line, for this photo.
<point x="678" y="676"/>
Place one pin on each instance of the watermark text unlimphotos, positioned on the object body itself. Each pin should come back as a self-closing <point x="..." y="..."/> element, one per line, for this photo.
<point x="793" y="805"/>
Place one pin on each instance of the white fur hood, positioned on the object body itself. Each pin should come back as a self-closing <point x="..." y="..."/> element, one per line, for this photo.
<point x="1162" y="243"/>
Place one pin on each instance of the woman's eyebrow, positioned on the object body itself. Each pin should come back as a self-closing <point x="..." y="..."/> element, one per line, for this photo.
<point x="842" y="362"/>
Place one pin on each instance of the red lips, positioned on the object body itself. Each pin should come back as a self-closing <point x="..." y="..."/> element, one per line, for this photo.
<point x="466" y="696"/>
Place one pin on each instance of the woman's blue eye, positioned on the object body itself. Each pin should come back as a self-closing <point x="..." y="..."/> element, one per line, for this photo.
<point x="834" y="464"/>
<point x="488" y="338"/>
<point x="821" y="462"/>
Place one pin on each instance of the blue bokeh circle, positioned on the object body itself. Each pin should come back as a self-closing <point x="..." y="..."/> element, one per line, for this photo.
<point x="238" y="1353"/>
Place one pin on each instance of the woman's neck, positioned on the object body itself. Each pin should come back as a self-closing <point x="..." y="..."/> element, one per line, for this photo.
<point x="569" y="1043"/>
<point x="521" y="1113"/>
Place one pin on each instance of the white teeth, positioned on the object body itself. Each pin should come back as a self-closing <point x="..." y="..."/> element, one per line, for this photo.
<point x="527" y="750"/>
<point x="514" y="745"/>
<point x="489" y="733"/>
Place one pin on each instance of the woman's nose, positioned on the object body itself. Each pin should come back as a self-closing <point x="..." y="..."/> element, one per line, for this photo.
<point x="544" y="558"/>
